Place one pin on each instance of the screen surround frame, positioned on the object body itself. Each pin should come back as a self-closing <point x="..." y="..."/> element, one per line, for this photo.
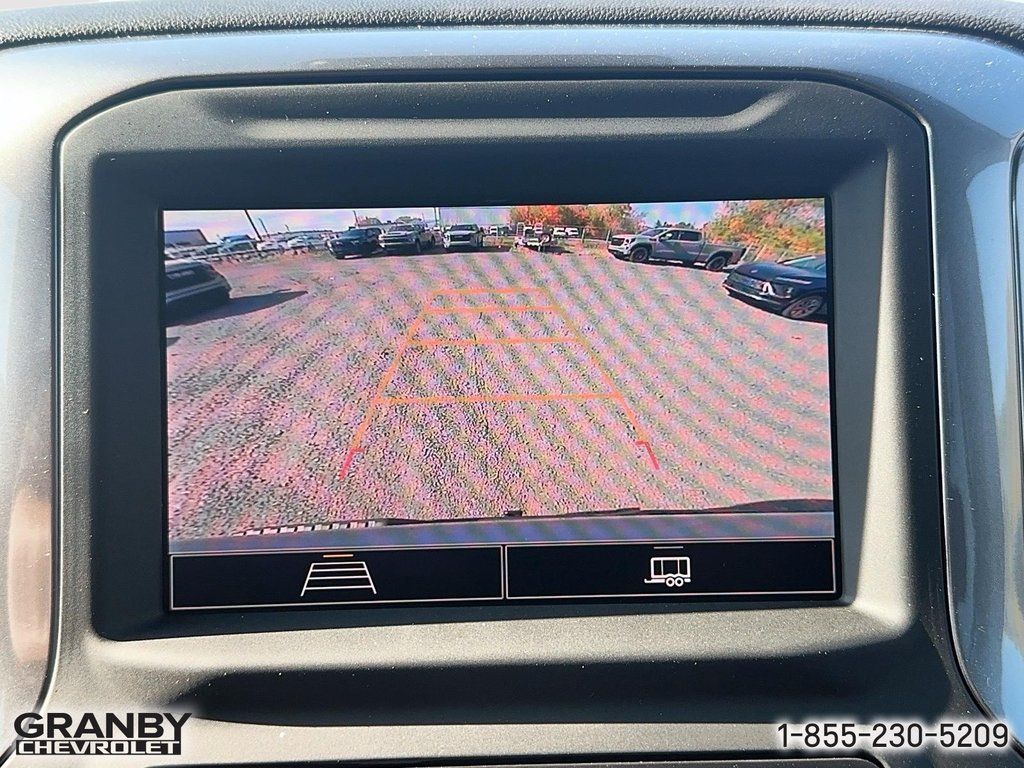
<point x="110" y="183"/>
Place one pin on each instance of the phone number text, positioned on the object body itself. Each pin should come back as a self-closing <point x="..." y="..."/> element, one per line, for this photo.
<point x="963" y="735"/>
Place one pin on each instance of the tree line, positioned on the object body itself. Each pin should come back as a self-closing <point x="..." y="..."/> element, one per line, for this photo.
<point x="595" y="218"/>
<point x="774" y="228"/>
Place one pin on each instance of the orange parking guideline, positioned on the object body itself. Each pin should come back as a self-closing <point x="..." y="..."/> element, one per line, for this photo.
<point x="496" y="398"/>
<point x="357" y="440"/>
<point x="493" y="342"/>
<point x="477" y="291"/>
<point x="650" y="453"/>
<point x="347" y="463"/>
<point x="641" y="438"/>
<point x="409" y="340"/>
<point x="489" y="308"/>
<point x="592" y="354"/>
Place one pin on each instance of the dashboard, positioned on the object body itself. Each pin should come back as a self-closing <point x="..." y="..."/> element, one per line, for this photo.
<point x="488" y="386"/>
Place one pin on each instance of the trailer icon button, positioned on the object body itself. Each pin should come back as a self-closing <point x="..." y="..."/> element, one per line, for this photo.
<point x="673" y="570"/>
<point x="670" y="571"/>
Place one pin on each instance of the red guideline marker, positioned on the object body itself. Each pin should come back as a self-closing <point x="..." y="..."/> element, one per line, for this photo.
<point x="650" y="453"/>
<point x="347" y="463"/>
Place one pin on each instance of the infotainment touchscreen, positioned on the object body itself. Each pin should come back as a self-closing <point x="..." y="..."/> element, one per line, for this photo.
<point x="498" y="404"/>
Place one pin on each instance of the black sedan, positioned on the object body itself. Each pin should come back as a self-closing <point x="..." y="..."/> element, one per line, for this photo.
<point x="190" y="284"/>
<point x="797" y="288"/>
<point x="358" y="241"/>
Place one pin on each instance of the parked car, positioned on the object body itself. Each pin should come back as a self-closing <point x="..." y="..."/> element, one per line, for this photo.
<point x="687" y="246"/>
<point x="201" y="252"/>
<point x="410" y="238"/>
<point x="573" y="232"/>
<point x="536" y="238"/>
<point x="796" y="288"/>
<point x="463" y="236"/>
<point x="187" y="281"/>
<point x="178" y="251"/>
<point x="269" y="246"/>
<point x="235" y="247"/>
<point x="358" y="241"/>
<point x="558" y="232"/>
<point x="304" y="242"/>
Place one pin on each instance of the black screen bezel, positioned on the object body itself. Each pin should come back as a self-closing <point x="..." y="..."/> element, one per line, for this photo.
<point x="862" y="167"/>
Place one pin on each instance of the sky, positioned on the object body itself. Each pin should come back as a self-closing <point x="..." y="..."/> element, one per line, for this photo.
<point x="697" y="214"/>
<point x="217" y="224"/>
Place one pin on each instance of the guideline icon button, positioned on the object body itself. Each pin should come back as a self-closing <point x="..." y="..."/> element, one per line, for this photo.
<point x="336" y="572"/>
<point x="673" y="572"/>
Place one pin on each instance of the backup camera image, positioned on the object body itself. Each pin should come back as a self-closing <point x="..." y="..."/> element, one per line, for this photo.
<point x="529" y="374"/>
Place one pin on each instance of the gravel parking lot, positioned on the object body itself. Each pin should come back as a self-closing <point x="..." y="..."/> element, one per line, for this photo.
<point x="483" y="384"/>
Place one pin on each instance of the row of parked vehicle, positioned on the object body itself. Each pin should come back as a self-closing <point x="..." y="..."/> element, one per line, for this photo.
<point x="404" y="238"/>
<point x="417" y="238"/>
<point x="796" y="288"/>
<point x="239" y="245"/>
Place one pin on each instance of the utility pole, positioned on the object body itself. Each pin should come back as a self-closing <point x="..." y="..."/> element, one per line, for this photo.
<point x="253" y="225"/>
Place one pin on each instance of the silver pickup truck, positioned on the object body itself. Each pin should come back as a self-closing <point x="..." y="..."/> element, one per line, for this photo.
<point x="410" y="238"/>
<point x="674" y="244"/>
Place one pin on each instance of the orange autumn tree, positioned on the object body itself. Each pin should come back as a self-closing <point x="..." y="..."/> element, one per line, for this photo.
<point x="536" y="214"/>
<point x="773" y="228"/>
<point x="598" y="219"/>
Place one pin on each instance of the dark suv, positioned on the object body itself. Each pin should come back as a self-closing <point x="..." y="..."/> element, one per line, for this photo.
<point x="797" y="288"/>
<point x="357" y="241"/>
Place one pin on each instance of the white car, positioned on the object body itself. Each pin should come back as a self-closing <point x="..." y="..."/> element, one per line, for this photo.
<point x="463" y="236"/>
<point x="304" y="242"/>
<point x="572" y="232"/>
<point x="558" y="232"/>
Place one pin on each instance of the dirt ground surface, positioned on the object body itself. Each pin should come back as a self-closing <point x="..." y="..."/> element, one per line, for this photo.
<point x="482" y="384"/>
